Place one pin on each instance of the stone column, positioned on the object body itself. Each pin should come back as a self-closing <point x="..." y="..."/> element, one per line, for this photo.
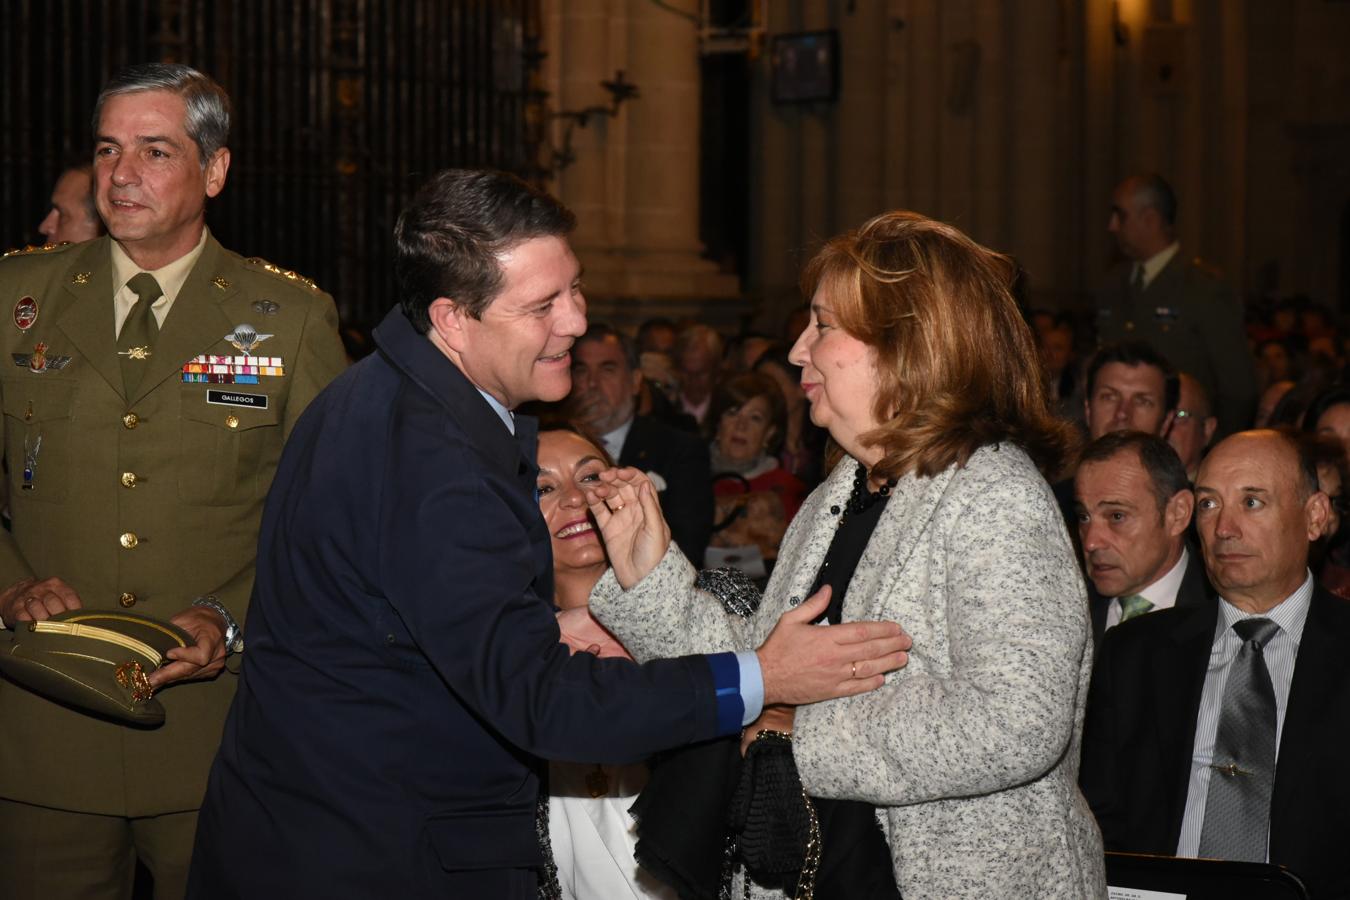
<point x="635" y="184"/>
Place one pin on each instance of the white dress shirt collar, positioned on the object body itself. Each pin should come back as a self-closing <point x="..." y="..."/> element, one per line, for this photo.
<point x="613" y="440"/>
<point x="1161" y="593"/>
<point x="1290" y="614"/>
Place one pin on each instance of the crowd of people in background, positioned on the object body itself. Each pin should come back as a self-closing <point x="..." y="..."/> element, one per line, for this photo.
<point x="764" y="455"/>
<point x="955" y="464"/>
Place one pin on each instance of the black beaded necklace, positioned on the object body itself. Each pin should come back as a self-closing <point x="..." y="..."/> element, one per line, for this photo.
<point x="861" y="499"/>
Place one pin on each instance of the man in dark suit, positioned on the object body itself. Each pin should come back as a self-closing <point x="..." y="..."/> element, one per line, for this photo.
<point x="1129" y="388"/>
<point x="1134" y="506"/>
<point x="1247" y="697"/>
<point x="404" y="678"/>
<point x="606" y="380"/>
<point x="1180" y="307"/>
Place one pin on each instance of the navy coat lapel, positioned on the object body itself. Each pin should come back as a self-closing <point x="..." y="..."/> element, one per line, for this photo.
<point x="1097" y="609"/>
<point x="634" y="451"/>
<point x="512" y="457"/>
<point x="1319" y="673"/>
<point x="415" y="356"/>
<point x="1195" y="590"/>
<point x="1178" y="673"/>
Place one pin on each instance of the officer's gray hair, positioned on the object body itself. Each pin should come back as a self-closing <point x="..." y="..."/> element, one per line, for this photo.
<point x="208" y="106"/>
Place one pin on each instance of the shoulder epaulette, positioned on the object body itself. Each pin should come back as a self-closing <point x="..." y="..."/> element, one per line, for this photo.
<point x="266" y="266"/>
<point x="36" y="248"/>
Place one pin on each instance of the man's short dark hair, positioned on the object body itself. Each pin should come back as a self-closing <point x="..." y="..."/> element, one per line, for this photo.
<point x="1166" y="473"/>
<point x="647" y="327"/>
<point x="1153" y="191"/>
<point x="450" y="235"/>
<point x="598" y="331"/>
<point x="1137" y="353"/>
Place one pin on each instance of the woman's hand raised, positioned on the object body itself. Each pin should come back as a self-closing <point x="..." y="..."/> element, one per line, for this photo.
<point x="629" y="515"/>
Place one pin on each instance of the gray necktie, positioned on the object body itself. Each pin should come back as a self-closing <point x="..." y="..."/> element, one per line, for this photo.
<point x="138" y="332"/>
<point x="1237" y="808"/>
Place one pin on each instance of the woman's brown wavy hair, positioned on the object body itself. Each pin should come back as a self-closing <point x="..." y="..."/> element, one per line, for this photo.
<point x="956" y="363"/>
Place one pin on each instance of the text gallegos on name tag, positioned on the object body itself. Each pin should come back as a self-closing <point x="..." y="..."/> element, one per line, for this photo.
<point x="229" y="398"/>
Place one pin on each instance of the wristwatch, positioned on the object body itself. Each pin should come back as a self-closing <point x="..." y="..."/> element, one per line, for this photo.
<point x="234" y="635"/>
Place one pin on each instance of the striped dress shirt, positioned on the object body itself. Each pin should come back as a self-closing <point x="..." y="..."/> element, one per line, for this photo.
<point x="1280" y="653"/>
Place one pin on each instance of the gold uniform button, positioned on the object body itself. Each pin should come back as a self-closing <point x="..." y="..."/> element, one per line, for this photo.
<point x="129" y="479"/>
<point x="127" y="600"/>
<point x="129" y="540"/>
<point x="131" y="420"/>
<point x="231" y="421"/>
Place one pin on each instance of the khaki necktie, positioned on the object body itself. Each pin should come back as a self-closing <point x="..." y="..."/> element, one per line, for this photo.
<point x="1137" y="281"/>
<point x="138" y="332"/>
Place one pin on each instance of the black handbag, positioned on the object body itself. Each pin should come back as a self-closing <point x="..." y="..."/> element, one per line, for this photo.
<point x="777" y="832"/>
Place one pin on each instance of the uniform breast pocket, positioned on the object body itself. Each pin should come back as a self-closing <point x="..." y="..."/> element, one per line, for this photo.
<point x="230" y="446"/>
<point x="39" y="416"/>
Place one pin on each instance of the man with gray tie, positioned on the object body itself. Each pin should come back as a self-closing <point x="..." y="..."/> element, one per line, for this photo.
<point x="1219" y="731"/>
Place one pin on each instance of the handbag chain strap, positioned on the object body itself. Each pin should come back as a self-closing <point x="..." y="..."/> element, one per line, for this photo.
<point x="806" y="882"/>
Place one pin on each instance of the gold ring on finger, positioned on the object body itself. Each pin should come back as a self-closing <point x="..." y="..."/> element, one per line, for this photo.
<point x="855" y="671"/>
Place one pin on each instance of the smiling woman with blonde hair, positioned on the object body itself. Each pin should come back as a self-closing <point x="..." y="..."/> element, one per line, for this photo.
<point x="919" y="365"/>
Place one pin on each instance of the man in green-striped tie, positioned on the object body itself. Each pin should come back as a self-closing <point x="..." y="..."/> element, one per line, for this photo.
<point x="1134" y="505"/>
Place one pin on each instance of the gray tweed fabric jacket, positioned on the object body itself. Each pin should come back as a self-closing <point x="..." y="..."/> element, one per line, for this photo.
<point x="971" y="751"/>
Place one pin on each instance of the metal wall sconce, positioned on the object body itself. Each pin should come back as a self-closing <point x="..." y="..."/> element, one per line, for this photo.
<point x="620" y="90"/>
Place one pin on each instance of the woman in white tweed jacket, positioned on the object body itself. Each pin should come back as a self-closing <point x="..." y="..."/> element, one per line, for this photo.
<point x="918" y="363"/>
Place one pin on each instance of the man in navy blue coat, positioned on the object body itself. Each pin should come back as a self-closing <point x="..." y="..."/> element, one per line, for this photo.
<point x="403" y="676"/>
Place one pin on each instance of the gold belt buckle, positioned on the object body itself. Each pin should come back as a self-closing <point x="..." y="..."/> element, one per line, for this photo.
<point x="132" y="677"/>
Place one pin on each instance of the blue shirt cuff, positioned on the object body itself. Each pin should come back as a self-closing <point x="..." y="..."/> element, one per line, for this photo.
<point x="752" y="686"/>
<point x="730" y="676"/>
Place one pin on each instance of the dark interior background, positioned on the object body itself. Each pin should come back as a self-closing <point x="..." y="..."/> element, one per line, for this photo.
<point x="341" y="109"/>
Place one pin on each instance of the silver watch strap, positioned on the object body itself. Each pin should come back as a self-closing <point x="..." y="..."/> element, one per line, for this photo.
<point x="234" y="636"/>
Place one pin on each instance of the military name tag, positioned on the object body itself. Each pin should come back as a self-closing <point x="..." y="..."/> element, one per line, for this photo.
<point x="227" y="398"/>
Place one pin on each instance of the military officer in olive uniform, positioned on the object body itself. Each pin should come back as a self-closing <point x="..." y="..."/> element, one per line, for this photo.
<point x="1179" y="307"/>
<point x="149" y="378"/>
